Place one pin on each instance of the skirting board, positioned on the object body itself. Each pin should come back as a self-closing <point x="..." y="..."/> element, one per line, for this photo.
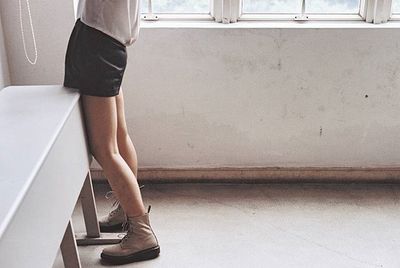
<point x="263" y="175"/>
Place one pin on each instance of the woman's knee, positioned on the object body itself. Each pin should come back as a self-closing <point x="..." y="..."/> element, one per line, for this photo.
<point x="104" y="153"/>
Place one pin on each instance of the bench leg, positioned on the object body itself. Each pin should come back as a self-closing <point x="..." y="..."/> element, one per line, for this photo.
<point x="69" y="249"/>
<point x="89" y="208"/>
<point x="93" y="235"/>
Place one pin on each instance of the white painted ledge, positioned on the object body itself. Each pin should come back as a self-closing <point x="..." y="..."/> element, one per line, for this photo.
<point x="269" y="24"/>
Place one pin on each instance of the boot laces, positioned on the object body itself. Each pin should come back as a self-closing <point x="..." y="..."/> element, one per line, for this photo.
<point x="115" y="211"/>
<point x="111" y="195"/>
<point x="126" y="227"/>
<point x="125" y="238"/>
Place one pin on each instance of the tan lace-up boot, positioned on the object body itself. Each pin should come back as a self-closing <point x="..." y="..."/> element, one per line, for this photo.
<point x="140" y="243"/>
<point x="115" y="219"/>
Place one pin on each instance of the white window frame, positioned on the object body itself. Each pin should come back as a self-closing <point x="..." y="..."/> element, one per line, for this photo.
<point x="303" y="16"/>
<point x="230" y="11"/>
<point x="377" y="11"/>
<point x="394" y="16"/>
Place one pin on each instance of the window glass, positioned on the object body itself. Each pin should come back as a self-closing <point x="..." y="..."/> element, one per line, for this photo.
<point x="396" y="6"/>
<point x="177" y="6"/>
<point x="333" y="6"/>
<point x="294" y="6"/>
<point x="272" y="6"/>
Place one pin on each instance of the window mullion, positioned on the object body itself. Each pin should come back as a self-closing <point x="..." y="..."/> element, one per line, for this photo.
<point x="377" y="11"/>
<point x="386" y="10"/>
<point x="235" y="9"/>
<point x="216" y="10"/>
<point x="226" y="11"/>
<point x="150" y="15"/>
<point x="363" y="4"/>
<point x="303" y="15"/>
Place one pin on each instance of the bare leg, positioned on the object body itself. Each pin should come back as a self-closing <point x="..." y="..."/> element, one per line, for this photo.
<point x="101" y="123"/>
<point x="125" y="144"/>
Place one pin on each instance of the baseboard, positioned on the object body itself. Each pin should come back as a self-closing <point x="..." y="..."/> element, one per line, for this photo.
<point x="263" y="175"/>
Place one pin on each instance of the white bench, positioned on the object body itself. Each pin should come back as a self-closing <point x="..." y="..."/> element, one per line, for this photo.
<point x="44" y="169"/>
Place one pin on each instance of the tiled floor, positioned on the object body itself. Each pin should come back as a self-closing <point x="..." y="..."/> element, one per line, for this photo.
<point x="275" y="225"/>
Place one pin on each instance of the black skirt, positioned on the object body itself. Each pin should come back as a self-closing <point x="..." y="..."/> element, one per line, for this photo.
<point x="94" y="62"/>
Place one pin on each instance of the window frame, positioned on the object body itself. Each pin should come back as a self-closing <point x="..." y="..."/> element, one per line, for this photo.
<point x="171" y="16"/>
<point x="394" y="16"/>
<point x="377" y="11"/>
<point x="304" y="15"/>
<point x="178" y="17"/>
<point x="228" y="11"/>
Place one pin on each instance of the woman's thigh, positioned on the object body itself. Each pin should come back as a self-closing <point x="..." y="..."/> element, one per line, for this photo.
<point x="101" y="124"/>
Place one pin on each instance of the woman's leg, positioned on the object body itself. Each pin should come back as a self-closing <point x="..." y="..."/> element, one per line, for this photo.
<point x="102" y="123"/>
<point x="125" y="144"/>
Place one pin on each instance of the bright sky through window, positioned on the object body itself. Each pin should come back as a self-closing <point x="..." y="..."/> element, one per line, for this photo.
<point x="333" y="6"/>
<point x="271" y="6"/>
<point x="177" y="6"/>
<point x="396" y="6"/>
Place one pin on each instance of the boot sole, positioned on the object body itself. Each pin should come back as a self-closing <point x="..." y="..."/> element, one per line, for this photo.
<point x="111" y="228"/>
<point x="146" y="254"/>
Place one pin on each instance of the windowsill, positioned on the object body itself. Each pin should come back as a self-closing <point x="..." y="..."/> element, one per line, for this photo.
<point x="268" y="24"/>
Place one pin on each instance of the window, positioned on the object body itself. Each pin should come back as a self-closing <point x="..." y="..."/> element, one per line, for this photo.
<point x="333" y="6"/>
<point x="228" y="11"/>
<point x="177" y="6"/>
<point x="396" y="6"/>
<point x="272" y="6"/>
<point x="295" y="6"/>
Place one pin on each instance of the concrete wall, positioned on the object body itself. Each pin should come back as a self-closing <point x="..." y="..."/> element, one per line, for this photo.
<point x="265" y="97"/>
<point x="4" y="73"/>
<point x="225" y="96"/>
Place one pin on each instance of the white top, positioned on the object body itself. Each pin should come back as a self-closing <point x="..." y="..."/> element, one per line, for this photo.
<point x="118" y="18"/>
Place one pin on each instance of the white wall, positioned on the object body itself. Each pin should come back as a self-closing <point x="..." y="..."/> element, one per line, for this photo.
<point x="53" y="22"/>
<point x="4" y="73"/>
<point x="265" y="97"/>
<point x="243" y="97"/>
